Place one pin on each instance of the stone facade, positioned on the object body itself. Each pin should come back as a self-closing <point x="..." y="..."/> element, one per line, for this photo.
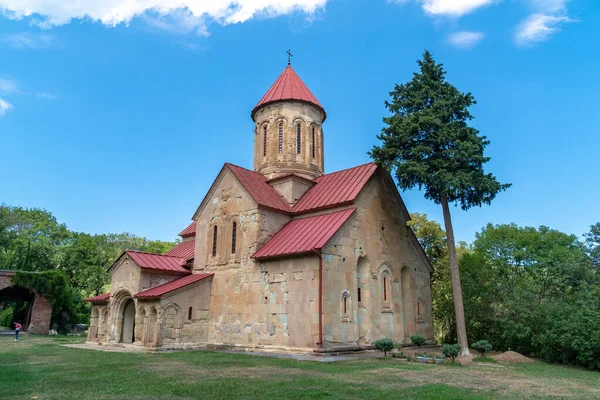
<point x="40" y="309"/>
<point x="370" y="279"/>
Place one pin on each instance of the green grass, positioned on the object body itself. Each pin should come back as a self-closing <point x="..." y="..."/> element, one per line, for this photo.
<point x="40" y="367"/>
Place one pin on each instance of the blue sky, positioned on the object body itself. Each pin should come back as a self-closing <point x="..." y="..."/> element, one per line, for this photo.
<point x="118" y="117"/>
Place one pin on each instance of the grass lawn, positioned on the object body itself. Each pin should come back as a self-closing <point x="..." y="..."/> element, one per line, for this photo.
<point x="40" y="368"/>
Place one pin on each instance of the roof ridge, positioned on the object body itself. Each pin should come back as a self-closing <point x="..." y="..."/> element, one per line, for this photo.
<point x="151" y="254"/>
<point x="348" y="169"/>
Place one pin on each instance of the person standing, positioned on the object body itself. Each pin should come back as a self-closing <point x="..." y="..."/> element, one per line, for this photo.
<point x="18" y="328"/>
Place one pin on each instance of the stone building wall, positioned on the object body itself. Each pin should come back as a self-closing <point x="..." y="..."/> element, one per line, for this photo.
<point x="290" y="114"/>
<point x="373" y="249"/>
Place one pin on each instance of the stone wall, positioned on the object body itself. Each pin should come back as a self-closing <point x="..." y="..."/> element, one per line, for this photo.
<point x="375" y="250"/>
<point x="41" y="309"/>
<point x="289" y="114"/>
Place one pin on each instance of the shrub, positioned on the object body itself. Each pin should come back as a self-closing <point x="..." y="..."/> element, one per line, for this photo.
<point x="417" y="340"/>
<point x="482" y="347"/>
<point x="385" y="345"/>
<point x="6" y="317"/>
<point x="485" y="359"/>
<point x="451" y="351"/>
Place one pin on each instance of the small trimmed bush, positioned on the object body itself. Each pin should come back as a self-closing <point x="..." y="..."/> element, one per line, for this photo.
<point x="451" y="351"/>
<point x="417" y="340"/>
<point x="385" y="345"/>
<point x="482" y="347"/>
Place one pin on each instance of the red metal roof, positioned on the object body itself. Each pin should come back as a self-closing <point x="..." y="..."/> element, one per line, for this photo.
<point x="183" y="250"/>
<point x="159" y="291"/>
<point x="256" y="184"/>
<point x="335" y="189"/>
<point x="102" y="298"/>
<point x="158" y="262"/>
<point x="189" y="231"/>
<point x="288" y="86"/>
<point x="304" y="235"/>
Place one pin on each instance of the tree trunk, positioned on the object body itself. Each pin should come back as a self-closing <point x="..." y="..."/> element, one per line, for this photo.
<point x="459" y="310"/>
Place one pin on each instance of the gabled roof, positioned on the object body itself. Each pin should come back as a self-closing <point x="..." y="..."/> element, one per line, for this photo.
<point x="158" y="262"/>
<point x="305" y="235"/>
<point x="288" y="86"/>
<point x="161" y="290"/>
<point x="256" y="185"/>
<point x="183" y="250"/>
<point x="102" y="298"/>
<point x="335" y="189"/>
<point x="189" y="231"/>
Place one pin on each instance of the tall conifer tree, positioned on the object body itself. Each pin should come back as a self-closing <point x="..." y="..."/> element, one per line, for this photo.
<point x="428" y="143"/>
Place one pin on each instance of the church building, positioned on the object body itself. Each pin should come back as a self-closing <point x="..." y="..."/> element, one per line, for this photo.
<point x="282" y="257"/>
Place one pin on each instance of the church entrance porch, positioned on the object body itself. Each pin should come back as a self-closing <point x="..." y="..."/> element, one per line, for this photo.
<point x="127" y="335"/>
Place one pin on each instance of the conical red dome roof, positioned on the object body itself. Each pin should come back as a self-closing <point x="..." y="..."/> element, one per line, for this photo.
<point x="288" y="86"/>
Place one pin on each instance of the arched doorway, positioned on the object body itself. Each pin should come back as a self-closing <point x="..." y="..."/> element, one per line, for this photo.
<point x="408" y="303"/>
<point x="18" y="302"/>
<point x="127" y="334"/>
<point x="364" y="297"/>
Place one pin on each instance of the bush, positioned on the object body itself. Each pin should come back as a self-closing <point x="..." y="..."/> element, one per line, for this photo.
<point x="417" y="340"/>
<point x="485" y="359"/>
<point x="6" y="317"/>
<point x="482" y="347"/>
<point x="385" y="345"/>
<point x="451" y="351"/>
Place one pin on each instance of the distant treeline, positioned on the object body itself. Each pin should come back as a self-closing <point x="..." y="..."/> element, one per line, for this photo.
<point x="534" y="291"/>
<point x="32" y="240"/>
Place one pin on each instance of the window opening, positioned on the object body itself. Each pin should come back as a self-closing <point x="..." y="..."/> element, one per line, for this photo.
<point x="298" y="139"/>
<point x="214" y="249"/>
<point x="265" y="141"/>
<point x="280" y="137"/>
<point x="233" y="237"/>
<point x="313" y="142"/>
<point x="359" y="297"/>
<point x="190" y="313"/>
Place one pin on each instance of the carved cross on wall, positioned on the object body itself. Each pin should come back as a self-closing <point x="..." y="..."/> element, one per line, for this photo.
<point x="290" y="55"/>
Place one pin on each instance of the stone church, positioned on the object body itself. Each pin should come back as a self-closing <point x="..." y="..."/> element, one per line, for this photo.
<point x="281" y="257"/>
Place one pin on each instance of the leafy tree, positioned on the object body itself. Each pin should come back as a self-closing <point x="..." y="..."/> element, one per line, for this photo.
<point x="428" y="143"/>
<point x="482" y="346"/>
<point x="417" y="340"/>
<point x="385" y="345"/>
<point x="593" y="243"/>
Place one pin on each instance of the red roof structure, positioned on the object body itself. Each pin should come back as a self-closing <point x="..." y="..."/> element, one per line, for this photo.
<point x="288" y="86"/>
<point x="257" y="186"/>
<point x="102" y="298"/>
<point x="335" y="189"/>
<point x="305" y="235"/>
<point x="183" y="250"/>
<point x="189" y="231"/>
<point x="159" y="262"/>
<point x="161" y="290"/>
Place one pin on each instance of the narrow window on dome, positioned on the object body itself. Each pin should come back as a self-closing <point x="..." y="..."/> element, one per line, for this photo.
<point x="265" y="141"/>
<point x="214" y="249"/>
<point x="313" y="142"/>
<point x="233" y="237"/>
<point x="298" y="139"/>
<point x="280" y="137"/>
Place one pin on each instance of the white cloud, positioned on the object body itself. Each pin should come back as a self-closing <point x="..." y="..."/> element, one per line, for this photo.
<point x="45" y="95"/>
<point x="166" y="13"/>
<point x="451" y="8"/>
<point x="29" y="40"/>
<point x="550" y="6"/>
<point x="7" y="86"/>
<point x="5" y="107"/>
<point x="538" y="28"/>
<point x="466" y="39"/>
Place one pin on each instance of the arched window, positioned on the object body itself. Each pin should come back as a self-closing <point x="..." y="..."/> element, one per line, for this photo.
<point x="214" y="247"/>
<point x="280" y="137"/>
<point x="385" y="294"/>
<point x="313" y="142"/>
<point x="298" y="139"/>
<point x="346" y="306"/>
<point x="190" y="314"/>
<point x="265" y="141"/>
<point x="233" y="237"/>
<point x="359" y="297"/>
